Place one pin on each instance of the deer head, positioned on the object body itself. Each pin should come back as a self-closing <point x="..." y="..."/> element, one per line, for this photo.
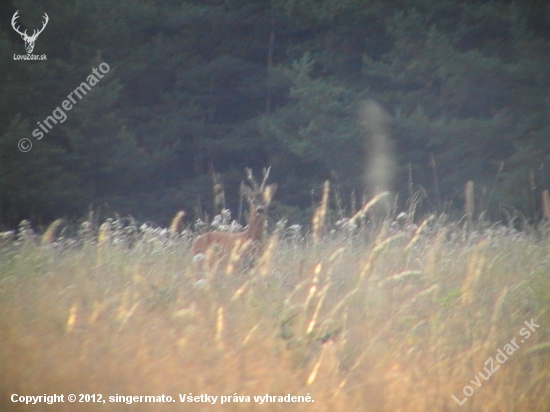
<point x="29" y="40"/>
<point x="258" y="198"/>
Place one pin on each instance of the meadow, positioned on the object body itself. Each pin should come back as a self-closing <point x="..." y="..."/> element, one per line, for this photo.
<point x="378" y="315"/>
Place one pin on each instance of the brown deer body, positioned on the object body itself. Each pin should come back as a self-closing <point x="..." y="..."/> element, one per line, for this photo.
<point x="223" y="243"/>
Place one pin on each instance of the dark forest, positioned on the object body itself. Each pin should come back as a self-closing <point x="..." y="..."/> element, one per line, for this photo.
<point x="197" y="88"/>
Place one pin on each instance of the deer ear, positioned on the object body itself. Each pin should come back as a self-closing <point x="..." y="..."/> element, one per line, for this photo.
<point x="269" y="192"/>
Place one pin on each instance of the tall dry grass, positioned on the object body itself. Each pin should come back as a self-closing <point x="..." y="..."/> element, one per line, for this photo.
<point x="389" y="317"/>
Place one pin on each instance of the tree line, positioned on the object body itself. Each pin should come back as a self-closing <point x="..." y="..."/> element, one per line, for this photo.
<point x="197" y="87"/>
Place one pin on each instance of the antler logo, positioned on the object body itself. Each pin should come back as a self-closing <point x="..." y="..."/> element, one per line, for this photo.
<point x="29" y="40"/>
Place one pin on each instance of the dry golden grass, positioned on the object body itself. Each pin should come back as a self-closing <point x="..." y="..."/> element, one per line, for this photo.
<point x="320" y="214"/>
<point x="393" y="318"/>
<point x="176" y="223"/>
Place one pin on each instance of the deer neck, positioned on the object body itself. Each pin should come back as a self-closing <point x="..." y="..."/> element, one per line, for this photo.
<point x="255" y="230"/>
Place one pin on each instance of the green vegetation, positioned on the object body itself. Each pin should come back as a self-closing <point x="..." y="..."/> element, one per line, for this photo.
<point x="390" y="316"/>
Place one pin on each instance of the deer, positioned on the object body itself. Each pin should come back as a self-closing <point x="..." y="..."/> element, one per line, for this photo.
<point x="258" y="198"/>
<point x="29" y="40"/>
